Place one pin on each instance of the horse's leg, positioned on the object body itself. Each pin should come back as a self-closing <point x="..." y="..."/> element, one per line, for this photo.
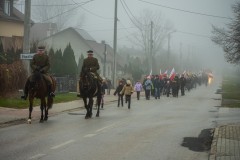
<point x="99" y="98"/>
<point x="90" y="105"/>
<point x="41" y="108"/>
<point x="86" y="107"/>
<point x="30" y="110"/>
<point x="46" y="110"/>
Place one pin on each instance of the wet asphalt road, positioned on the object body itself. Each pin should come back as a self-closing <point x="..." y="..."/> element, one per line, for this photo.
<point x="150" y="130"/>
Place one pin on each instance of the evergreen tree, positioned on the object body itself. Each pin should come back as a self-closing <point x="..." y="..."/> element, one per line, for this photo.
<point x="80" y="63"/>
<point x="58" y="63"/>
<point x="69" y="63"/>
<point x="51" y="59"/>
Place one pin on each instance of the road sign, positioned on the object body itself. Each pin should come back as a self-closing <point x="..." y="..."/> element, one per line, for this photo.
<point x="27" y="55"/>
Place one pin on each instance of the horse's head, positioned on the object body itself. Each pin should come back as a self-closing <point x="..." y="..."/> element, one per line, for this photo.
<point x="88" y="84"/>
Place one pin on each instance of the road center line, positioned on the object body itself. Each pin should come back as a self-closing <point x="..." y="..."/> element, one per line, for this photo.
<point x="112" y="125"/>
<point x="63" y="144"/>
<point x="90" y="135"/>
<point x="37" y="156"/>
<point x="101" y="129"/>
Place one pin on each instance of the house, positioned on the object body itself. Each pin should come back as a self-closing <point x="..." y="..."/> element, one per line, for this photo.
<point x="40" y="31"/>
<point x="11" y="25"/>
<point x="81" y="42"/>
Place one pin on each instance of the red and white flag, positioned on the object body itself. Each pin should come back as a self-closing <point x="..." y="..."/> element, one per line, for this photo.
<point x="172" y="74"/>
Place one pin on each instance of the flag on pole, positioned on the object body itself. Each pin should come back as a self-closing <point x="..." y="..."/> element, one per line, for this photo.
<point x="150" y="73"/>
<point x="165" y="73"/>
<point x="160" y="72"/>
<point x="172" y="74"/>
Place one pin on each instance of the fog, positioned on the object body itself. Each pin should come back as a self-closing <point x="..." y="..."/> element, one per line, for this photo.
<point x="191" y="20"/>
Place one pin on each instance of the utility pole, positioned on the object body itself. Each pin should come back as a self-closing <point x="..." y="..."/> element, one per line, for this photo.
<point x="105" y="59"/>
<point x="115" y="44"/>
<point x="168" y="49"/>
<point x="151" y="46"/>
<point x="26" y="40"/>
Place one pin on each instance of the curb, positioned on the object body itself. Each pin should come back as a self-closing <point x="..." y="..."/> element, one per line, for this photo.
<point x="213" y="151"/>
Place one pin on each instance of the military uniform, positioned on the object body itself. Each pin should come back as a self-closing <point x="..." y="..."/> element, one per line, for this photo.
<point x="40" y="63"/>
<point x="91" y="65"/>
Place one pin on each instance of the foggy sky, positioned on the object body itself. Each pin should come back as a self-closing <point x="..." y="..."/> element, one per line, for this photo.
<point x="193" y="30"/>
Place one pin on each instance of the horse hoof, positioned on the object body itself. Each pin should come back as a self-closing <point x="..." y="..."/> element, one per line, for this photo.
<point x="97" y="115"/>
<point x="46" y="118"/>
<point x="29" y="121"/>
<point x="41" y="121"/>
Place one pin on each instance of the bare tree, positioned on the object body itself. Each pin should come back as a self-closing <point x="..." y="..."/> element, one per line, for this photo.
<point x="159" y="30"/>
<point x="60" y="12"/>
<point x="229" y="38"/>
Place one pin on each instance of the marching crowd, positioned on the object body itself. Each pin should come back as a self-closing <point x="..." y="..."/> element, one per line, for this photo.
<point x="160" y="85"/>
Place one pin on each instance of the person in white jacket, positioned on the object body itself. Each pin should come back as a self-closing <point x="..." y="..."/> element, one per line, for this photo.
<point x="138" y="88"/>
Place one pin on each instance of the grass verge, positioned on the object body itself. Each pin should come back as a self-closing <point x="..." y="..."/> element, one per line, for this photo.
<point x="231" y="91"/>
<point x="16" y="102"/>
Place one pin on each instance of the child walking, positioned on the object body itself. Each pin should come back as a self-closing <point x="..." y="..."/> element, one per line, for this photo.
<point x="127" y="91"/>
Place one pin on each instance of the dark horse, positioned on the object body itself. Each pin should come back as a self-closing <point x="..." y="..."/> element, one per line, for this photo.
<point x="38" y="89"/>
<point x="88" y="87"/>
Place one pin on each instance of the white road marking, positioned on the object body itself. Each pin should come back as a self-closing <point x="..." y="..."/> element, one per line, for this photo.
<point x="37" y="156"/>
<point x="113" y="125"/>
<point x="101" y="129"/>
<point x="63" y="144"/>
<point x="90" y="135"/>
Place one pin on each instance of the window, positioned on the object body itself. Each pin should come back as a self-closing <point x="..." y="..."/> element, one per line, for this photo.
<point x="7" y="7"/>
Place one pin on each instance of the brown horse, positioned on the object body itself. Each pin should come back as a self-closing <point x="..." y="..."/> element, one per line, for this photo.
<point x="38" y="89"/>
<point x="88" y="87"/>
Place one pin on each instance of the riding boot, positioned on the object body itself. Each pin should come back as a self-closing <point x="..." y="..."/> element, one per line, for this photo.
<point x="79" y="94"/>
<point x="24" y="97"/>
<point x="50" y="91"/>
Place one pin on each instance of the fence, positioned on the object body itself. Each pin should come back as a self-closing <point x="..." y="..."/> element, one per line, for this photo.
<point x="66" y="84"/>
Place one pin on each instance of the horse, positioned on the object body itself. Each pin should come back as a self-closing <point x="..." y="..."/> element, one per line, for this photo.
<point x="88" y="87"/>
<point x="38" y="89"/>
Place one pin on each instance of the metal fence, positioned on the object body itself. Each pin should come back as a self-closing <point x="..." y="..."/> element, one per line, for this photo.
<point x="66" y="84"/>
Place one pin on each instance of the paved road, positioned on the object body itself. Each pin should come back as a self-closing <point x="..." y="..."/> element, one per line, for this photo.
<point x="164" y="129"/>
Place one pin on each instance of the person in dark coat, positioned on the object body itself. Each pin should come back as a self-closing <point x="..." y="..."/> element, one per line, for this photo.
<point x="182" y="82"/>
<point x="90" y="64"/>
<point x="118" y="91"/>
<point x="40" y="63"/>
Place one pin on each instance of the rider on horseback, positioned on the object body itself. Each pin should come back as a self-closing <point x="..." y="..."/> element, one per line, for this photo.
<point x="90" y="64"/>
<point x="40" y="63"/>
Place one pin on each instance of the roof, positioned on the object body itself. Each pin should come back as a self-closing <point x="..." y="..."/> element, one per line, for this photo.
<point x="97" y="48"/>
<point x="16" y="15"/>
<point x="42" y="30"/>
<point x="84" y="34"/>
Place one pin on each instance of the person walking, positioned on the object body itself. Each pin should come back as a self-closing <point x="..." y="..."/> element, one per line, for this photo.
<point x="138" y="88"/>
<point x="118" y="92"/>
<point x="148" y="87"/>
<point x="157" y="86"/>
<point x="127" y="91"/>
<point x="40" y="63"/>
<point x="182" y="82"/>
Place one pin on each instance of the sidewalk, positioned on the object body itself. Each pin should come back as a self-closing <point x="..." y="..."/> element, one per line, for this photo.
<point x="9" y="116"/>
<point x="226" y="143"/>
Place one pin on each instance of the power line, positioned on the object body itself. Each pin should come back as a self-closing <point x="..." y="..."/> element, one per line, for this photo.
<point x="192" y="12"/>
<point x="92" y="12"/>
<point x="83" y="3"/>
<point x="128" y="14"/>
